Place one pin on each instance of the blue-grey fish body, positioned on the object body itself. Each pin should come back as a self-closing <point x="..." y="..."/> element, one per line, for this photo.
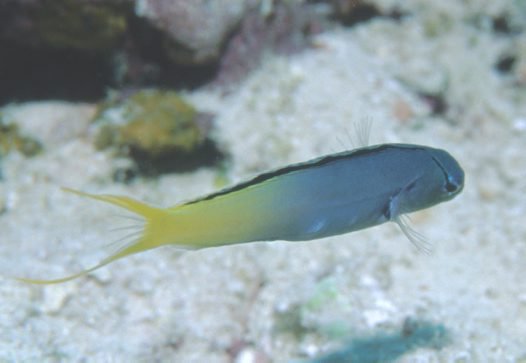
<point x="356" y="189"/>
<point x="335" y="194"/>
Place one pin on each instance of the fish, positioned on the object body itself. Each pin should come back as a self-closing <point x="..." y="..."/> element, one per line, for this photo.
<point x="327" y="196"/>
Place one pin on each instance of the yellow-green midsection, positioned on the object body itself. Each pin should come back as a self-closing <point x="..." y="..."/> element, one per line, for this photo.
<point x="238" y="217"/>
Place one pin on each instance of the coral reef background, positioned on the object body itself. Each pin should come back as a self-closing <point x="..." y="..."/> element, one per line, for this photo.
<point x="446" y="74"/>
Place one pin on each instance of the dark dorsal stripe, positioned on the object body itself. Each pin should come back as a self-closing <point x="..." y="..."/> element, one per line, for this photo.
<point x="303" y="165"/>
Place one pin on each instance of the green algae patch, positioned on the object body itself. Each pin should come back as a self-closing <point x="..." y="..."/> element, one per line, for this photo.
<point x="157" y="129"/>
<point x="11" y="139"/>
<point x="155" y="122"/>
<point x="81" y="25"/>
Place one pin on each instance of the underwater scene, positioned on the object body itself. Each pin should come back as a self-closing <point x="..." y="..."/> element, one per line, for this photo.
<point x="260" y="181"/>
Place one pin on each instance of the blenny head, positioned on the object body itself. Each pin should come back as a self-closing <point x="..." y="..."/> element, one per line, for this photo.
<point x="453" y="175"/>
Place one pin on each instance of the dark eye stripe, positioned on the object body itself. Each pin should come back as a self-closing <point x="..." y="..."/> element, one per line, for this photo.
<point x="450" y="186"/>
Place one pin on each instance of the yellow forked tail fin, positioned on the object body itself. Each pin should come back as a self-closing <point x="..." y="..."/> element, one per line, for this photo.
<point x="153" y="235"/>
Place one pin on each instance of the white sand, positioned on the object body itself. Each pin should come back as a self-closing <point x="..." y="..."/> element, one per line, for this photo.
<point x="197" y="306"/>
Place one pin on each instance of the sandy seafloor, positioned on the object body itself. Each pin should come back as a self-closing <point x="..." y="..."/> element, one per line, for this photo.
<point x="280" y="301"/>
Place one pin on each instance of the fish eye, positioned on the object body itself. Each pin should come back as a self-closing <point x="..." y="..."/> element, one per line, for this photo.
<point x="451" y="187"/>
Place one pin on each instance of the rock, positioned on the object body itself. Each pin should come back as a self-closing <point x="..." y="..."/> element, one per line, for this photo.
<point x="196" y="29"/>
<point x="79" y="24"/>
<point x="157" y="129"/>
